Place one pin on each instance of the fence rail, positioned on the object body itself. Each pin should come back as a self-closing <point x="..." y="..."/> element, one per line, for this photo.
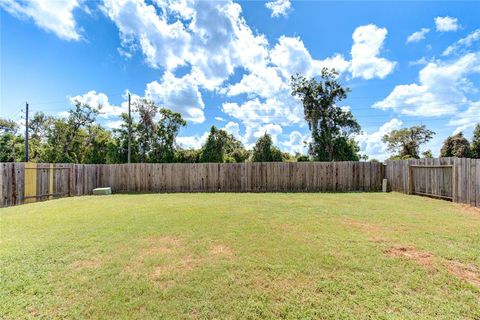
<point x="457" y="179"/>
<point x="23" y="184"/>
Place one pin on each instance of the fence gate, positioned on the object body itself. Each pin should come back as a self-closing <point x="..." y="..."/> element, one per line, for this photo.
<point x="46" y="181"/>
<point x="432" y="180"/>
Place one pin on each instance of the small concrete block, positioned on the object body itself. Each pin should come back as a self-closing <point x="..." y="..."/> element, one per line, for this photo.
<point x="384" y="185"/>
<point x="102" y="191"/>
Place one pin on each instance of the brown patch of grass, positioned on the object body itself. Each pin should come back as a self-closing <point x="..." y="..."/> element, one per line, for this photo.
<point x="365" y="226"/>
<point x="423" y="258"/>
<point x="175" y="258"/>
<point x="469" y="209"/>
<point x="467" y="272"/>
<point x="221" y="250"/>
<point x="161" y="245"/>
<point x="375" y="231"/>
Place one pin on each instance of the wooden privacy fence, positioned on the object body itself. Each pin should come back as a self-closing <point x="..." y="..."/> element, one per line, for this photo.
<point x="25" y="182"/>
<point x="457" y="179"/>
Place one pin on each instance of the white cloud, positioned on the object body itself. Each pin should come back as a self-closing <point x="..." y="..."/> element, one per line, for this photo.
<point x="210" y="37"/>
<point x="279" y="7"/>
<point x="114" y="124"/>
<point x="463" y="43"/>
<point x="421" y="61"/>
<point x="441" y="89"/>
<point x="254" y="131"/>
<point x="284" y="110"/>
<point x="179" y="95"/>
<point x="295" y="143"/>
<point x="291" y="57"/>
<point x="63" y="114"/>
<point x="99" y="101"/>
<point x="220" y="119"/>
<point x="163" y="44"/>
<point x="365" y="63"/>
<point x="265" y="82"/>
<point x="468" y="118"/>
<point x="52" y="16"/>
<point x="192" y="142"/>
<point x="418" y="35"/>
<point x="445" y="24"/>
<point x="233" y="128"/>
<point x="371" y="143"/>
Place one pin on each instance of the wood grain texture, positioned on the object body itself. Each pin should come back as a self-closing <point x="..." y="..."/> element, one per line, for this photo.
<point x="81" y="179"/>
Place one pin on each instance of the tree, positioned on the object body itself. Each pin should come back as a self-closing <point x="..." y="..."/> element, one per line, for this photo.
<point x="427" y="154"/>
<point x="406" y="141"/>
<point x="11" y="144"/>
<point x="38" y="126"/>
<point x="302" y="158"/>
<point x="80" y="117"/>
<point x="166" y="132"/>
<point x="99" y="147"/>
<point x="146" y="128"/>
<point x="187" y="156"/>
<point x="265" y="151"/>
<point x="476" y="142"/>
<point x="220" y="146"/>
<point x="456" y="146"/>
<point x="331" y="126"/>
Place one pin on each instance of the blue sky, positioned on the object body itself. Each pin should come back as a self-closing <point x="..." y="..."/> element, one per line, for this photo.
<point x="228" y="63"/>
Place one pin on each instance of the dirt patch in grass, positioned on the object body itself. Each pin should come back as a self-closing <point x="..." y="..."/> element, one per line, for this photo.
<point x="161" y="245"/>
<point x="221" y="250"/>
<point x="423" y="258"/>
<point x="470" y="210"/>
<point x="376" y="232"/>
<point x="163" y="258"/>
<point x="466" y="272"/>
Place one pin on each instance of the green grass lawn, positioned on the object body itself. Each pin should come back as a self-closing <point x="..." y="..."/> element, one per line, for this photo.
<point x="241" y="256"/>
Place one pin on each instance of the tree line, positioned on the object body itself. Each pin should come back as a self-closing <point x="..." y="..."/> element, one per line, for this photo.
<point x="405" y="143"/>
<point x="79" y="138"/>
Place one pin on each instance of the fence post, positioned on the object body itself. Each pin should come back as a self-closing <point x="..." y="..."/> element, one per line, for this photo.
<point x="454" y="180"/>
<point x="410" y="178"/>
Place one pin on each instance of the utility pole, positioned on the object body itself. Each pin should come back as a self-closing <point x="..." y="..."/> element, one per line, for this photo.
<point x="129" y="130"/>
<point x="26" y="131"/>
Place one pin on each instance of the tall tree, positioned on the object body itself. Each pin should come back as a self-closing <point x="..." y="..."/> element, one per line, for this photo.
<point x="39" y="126"/>
<point x="64" y="136"/>
<point x="219" y="147"/>
<point x="11" y="144"/>
<point x="331" y="125"/>
<point x="166" y="132"/>
<point x="406" y="142"/>
<point x="476" y="142"/>
<point x="265" y="151"/>
<point x="99" y="146"/>
<point x="146" y="128"/>
<point x="456" y="146"/>
<point x="120" y="136"/>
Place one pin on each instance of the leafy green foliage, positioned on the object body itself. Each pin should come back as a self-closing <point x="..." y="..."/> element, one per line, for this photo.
<point x="332" y="127"/>
<point x="406" y="142"/>
<point x="265" y="151"/>
<point x="456" y="146"/>
<point x="427" y="154"/>
<point x="476" y="142"/>
<point x="222" y="147"/>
